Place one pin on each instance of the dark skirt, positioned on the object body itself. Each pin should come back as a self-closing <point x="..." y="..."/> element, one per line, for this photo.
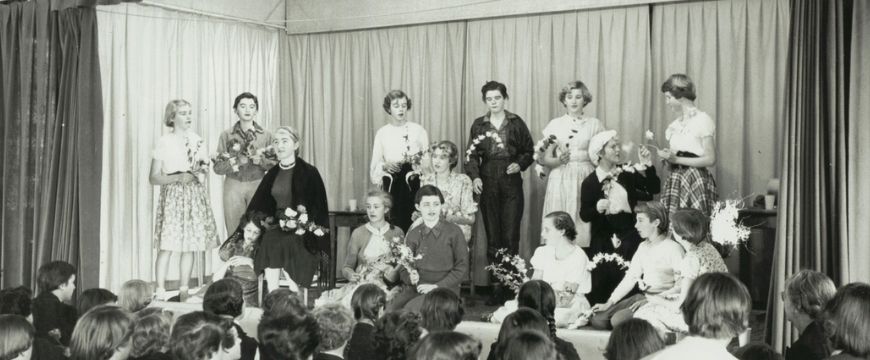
<point x="287" y="250"/>
<point x="403" y="193"/>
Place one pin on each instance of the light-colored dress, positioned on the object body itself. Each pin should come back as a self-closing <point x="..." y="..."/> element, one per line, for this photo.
<point x="563" y="184"/>
<point x="558" y="272"/>
<point x="368" y="251"/>
<point x="184" y="220"/>
<point x="700" y="259"/>
<point x="459" y="206"/>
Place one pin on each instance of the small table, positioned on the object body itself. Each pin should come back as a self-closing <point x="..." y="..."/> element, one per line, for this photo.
<point x="338" y="219"/>
<point x="757" y="265"/>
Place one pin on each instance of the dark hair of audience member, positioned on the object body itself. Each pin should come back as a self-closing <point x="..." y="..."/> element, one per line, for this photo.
<point x="809" y="291"/>
<point x="135" y="295"/>
<point x="288" y="337"/>
<point x="528" y="344"/>
<point x="846" y="320"/>
<point x="335" y="323"/>
<point x="100" y="333"/>
<point x="16" y="301"/>
<point x="52" y="275"/>
<point x="539" y="295"/>
<point x="16" y="337"/>
<point x="224" y="297"/>
<point x="151" y="333"/>
<point x="717" y="306"/>
<point x="441" y="310"/>
<point x="757" y="351"/>
<point x="199" y="335"/>
<point x="446" y="345"/>
<point x="282" y="302"/>
<point x="521" y="319"/>
<point x="91" y="298"/>
<point x="368" y="301"/>
<point x="395" y="333"/>
<point x="632" y="340"/>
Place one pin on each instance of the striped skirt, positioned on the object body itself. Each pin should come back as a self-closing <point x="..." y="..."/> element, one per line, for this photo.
<point x="689" y="187"/>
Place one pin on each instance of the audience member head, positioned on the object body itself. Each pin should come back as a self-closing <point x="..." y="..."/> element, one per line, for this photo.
<point x="289" y="337"/>
<point x="757" y="351"/>
<point x="16" y="301"/>
<point x="102" y="333"/>
<point x="395" y="333"/>
<point x="395" y="100"/>
<point x="558" y="224"/>
<point x="224" y="297"/>
<point x="679" y="86"/>
<point x="528" y="344"/>
<point x="58" y="277"/>
<point x="717" y="306"/>
<point x="16" y="338"/>
<point x="335" y="323"/>
<point x="652" y="219"/>
<point x="690" y="225"/>
<point x="441" y="310"/>
<point x="135" y="295"/>
<point x="368" y="302"/>
<point x="444" y="153"/>
<point x="446" y="345"/>
<point x="522" y="319"/>
<point x="92" y="298"/>
<point x="578" y="90"/>
<point x="632" y="340"/>
<point x="151" y="332"/>
<point x="846" y="319"/>
<point x="806" y="294"/>
<point x="539" y="295"/>
<point x="203" y="336"/>
<point x="282" y="302"/>
<point x="172" y="109"/>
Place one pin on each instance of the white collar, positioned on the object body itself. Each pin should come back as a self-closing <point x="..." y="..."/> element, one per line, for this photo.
<point x="601" y="173"/>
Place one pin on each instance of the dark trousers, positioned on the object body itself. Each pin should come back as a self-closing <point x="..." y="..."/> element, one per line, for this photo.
<point x="501" y="204"/>
<point x="403" y="193"/>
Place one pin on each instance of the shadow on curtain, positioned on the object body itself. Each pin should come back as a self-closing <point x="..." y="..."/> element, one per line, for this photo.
<point x="51" y="107"/>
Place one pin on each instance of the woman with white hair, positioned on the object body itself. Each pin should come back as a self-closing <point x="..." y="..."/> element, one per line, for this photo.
<point x="608" y="197"/>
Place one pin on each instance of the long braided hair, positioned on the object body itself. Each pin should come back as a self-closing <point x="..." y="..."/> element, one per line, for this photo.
<point x="539" y="295"/>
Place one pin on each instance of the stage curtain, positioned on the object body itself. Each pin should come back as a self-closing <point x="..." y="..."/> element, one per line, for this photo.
<point x="149" y="57"/>
<point x="52" y="111"/>
<point x="859" y="148"/>
<point x="812" y="229"/>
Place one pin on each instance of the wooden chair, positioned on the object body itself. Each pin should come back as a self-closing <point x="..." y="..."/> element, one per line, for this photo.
<point x="283" y="281"/>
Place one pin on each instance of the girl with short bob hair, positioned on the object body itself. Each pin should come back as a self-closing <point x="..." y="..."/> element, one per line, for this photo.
<point x="395" y="333"/>
<point x="203" y="336"/>
<point x="522" y="319"/>
<point x="632" y="340"/>
<point x="806" y="294"/>
<point x="446" y="345"/>
<point x="16" y="337"/>
<point x="135" y="295"/>
<point x="847" y="323"/>
<point x="368" y="303"/>
<point x="92" y="298"/>
<point x="441" y="310"/>
<point x="102" y="333"/>
<point x="529" y="344"/>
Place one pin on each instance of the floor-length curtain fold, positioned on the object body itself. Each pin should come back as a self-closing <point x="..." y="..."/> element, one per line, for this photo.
<point x="52" y="111"/>
<point x="858" y="147"/>
<point x="812" y="230"/>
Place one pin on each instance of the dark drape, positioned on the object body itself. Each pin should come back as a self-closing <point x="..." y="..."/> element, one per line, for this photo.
<point x="51" y="106"/>
<point x="812" y="229"/>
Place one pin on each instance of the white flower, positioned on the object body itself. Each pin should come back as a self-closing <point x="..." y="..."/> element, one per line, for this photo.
<point x="489" y="133"/>
<point x="300" y="231"/>
<point x="235" y="168"/>
<point x="282" y="223"/>
<point x="288" y="212"/>
<point x="237" y="147"/>
<point x="319" y="232"/>
<point x="649" y="135"/>
<point x="291" y="224"/>
<point x="480" y="137"/>
<point x="303" y="218"/>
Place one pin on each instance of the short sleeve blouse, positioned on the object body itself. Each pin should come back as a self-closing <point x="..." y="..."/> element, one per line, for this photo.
<point x="557" y="272"/>
<point x="688" y="132"/>
<point x="176" y="151"/>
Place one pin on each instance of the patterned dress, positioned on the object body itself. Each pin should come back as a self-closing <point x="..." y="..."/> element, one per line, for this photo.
<point x="459" y="206"/>
<point x="687" y="186"/>
<point x="563" y="184"/>
<point x="699" y="259"/>
<point x="184" y="221"/>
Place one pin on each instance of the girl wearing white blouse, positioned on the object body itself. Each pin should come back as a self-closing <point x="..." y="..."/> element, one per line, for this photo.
<point x="567" y="156"/>
<point x="692" y="149"/>
<point x="397" y="149"/>
<point x="185" y="222"/>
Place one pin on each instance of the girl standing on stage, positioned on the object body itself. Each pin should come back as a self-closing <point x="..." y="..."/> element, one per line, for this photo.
<point x="185" y="222"/>
<point x="396" y="147"/>
<point x="692" y="149"/>
<point x="567" y="156"/>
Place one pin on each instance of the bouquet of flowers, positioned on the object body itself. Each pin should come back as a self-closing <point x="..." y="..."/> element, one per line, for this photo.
<point x="609" y="257"/>
<point x="198" y="167"/>
<point x="404" y="256"/>
<point x="491" y="135"/>
<point x="510" y="270"/>
<point x="542" y="147"/>
<point x="726" y="230"/>
<point x="297" y="221"/>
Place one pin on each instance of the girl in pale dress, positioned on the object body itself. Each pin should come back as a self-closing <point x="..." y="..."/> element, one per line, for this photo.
<point x="459" y="206"/>
<point x="562" y="264"/>
<point x="396" y="147"/>
<point x="692" y="150"/>
<point x="368" y="251"/>
<point x="567" y="158"/>
<point x="184" y="223"/>
<point x="689" y="227"/>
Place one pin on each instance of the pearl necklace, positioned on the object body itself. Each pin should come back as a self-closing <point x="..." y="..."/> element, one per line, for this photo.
<point x="286" y="167"/>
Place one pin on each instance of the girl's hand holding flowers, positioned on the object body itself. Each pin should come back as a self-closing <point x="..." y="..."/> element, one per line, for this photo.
<point x="665" y="154"/>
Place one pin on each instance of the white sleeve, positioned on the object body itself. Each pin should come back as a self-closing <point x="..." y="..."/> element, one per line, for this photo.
<point x="704" y="126"/>
<point x="376" y="170"/>
<point x="160" y="150"/>
<point x="424" y="139"/>
<point x="539" y="258"/>
<point x="582" y="276"/>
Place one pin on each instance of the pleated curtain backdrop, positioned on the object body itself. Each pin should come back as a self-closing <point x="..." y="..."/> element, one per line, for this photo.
<point x="151" y="56"/>
<point x="858" y="146"/>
